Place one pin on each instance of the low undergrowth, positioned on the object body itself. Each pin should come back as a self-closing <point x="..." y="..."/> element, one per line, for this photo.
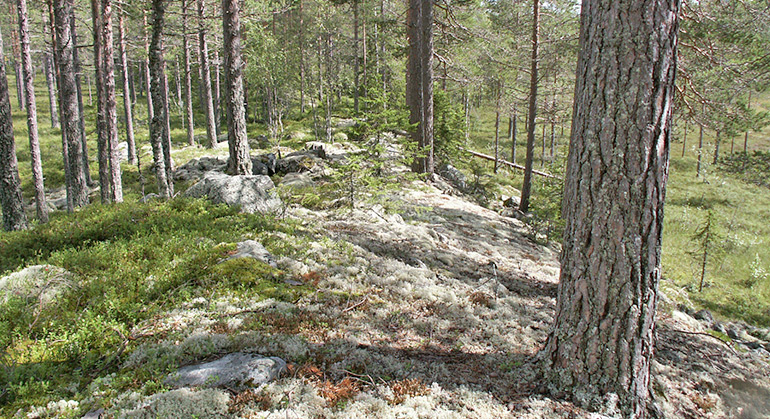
<point x="130" y="262"/>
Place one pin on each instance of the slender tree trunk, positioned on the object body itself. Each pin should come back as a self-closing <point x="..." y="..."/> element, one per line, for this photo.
<point x="717" y="143"/>
<point x="239" y="162"/>
<point x="497" y="127"/>
<point x="512" y="135"/>
<point x="355" y="56"/>
<point x="166" y="144"/>
<point x="20" y="94"/>
<point x="78" y="192"/>
<point x="110" y="102"/>
<point x="527" y="185"/>
<point x="217" y="93"/>
<point x="420" y="81"/>
<point x="601" y="347"/>
<point x="147" y="76"/>
<point x="700" y="148"/>
<point x="11" y="202"/>
<point x="684" y="138"/>
<point x="746" y="134"/>
<point x="203" y="54"/>
<point x="187" y="76"/>
<point x="50" y="79"/>
<point x="178" y="83"/>
<point x="81" y="111"/>
<point x="301" y="44"/>
<point x="157" y="126"/>
<point x="41" y="208"/>
<point x="127" y="105"/>
<point x="57" y="74"/>
<point x="553" y="141"/>
<point x="102" y="134"/>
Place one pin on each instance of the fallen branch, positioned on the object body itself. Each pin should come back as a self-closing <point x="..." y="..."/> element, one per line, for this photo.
<point x="509" y="164"/>
<point x="706" y="334"/>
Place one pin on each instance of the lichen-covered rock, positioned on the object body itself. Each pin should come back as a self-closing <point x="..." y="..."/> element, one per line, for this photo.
<point x="252" y="193"/>
<point x="298" y="181"/>
<point x="38" y="283"/>
<point x="236" y="371"/>
<point x="253" y="249"/>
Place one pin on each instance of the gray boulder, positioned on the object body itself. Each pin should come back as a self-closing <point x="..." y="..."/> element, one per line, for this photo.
<point x="297" y="181"/>
<point x="253" y="249"/>
<point x="38" y="283"/>
<point x="253" y="193"/>
<point x="454" y="176"/>
<point x="237" y="371"/>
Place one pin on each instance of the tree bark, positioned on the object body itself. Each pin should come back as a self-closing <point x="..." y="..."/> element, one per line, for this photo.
<point x="10" y="184"/>
<point x="65" y="45"/>
<point x="239" y="162"/>
<point x="166" y="143"/>
<point x="600" y="349"/>
<point x="355" y="56"/>
<point x="187" y="77"/>
<point x="203" y="56"/>
<point x="301" y="43"/>
<point x="217" y="92"/>
<point x="147" y="76"/>
<point x="512" y="136"/>
<point x="157" y="126"/>
<point x="41" y="208"/>
<point x="57" y="74"/>
<point x="717" y="143"/>
<point x="700" y="148"/>
<point x="81" y="111"/>
<point x="50" y="79"/>
<point x="102" y="133"/>
<point x="110" y="102"/>
<point x="128" y="107"/>
<point x="527" y="185"/>
<point x="419" y="80"/>
<point x="17" y="64"/>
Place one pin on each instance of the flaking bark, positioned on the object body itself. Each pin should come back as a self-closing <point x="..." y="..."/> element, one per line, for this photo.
<point x="239" y="162"/>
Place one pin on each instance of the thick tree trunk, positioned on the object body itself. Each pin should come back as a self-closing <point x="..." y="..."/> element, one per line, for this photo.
<point x="187" y="77"/>
<point x="128" y="108"/>
<point x="110" y="102"/>
<point x="419" y="81"/>
<point x="78" y="192"/>
<point x="203" y="56"/>
<point x="600" y="350"/>
<point x="50" y="79"/>
<point x="239" y="162"/>
<point x="526" y="188"/>
<point x="81" y="111"/>
<point x="157" y="126"/>
<point x="41" y="208"/>
<point x="10" y="184"/>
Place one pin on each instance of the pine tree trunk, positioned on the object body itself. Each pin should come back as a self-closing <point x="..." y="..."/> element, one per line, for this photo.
<point x="57" y="75"/>
<point x="127" y="104"/>
<point x="203" y="54"/>
<point x="102" y="134"/>
<point x="528" y="165"/>
<point x="78" y="192"/>
<point x="420" y="81"/>
<point x="41" y="208"/>
<point x="166" y="144"/>
<point x="10" y="184"/>
<point x="147" y="76"/>
<point x="512" y="135"/>
<point x="239" y="162"/>
<point x="187" y="77"/>
<point x="600" y="349"/>
<point x="717" y="143"/>
<point x="301" y="44"/>
<point x="110" y="102"/>
<point x="81" y="111"/>
<point x="157" y="126"/>
<point x="684" y="138"/>
<point x="217" y="93"/>
<point x="16" y="44"/>
<point x="50" y="79"/>
<point x="700" y="148"/>
<point x="355" y="56"/>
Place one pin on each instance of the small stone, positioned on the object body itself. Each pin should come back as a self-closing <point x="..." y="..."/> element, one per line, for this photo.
<point x="705" y="316"/>
<point x="253" y="249"/>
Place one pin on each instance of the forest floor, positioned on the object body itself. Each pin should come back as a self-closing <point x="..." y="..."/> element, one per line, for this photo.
<point x="419" y="303"/>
